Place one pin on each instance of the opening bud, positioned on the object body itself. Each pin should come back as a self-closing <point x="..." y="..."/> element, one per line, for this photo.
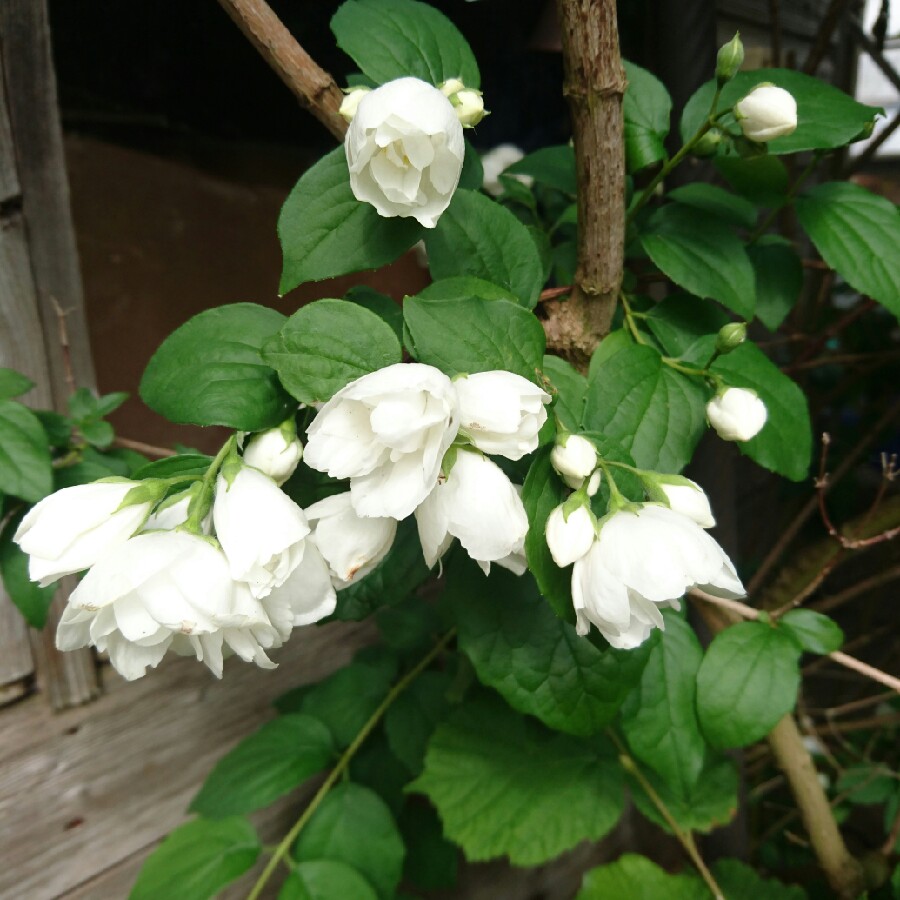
<point x="730" y="336"/>
<point x="766" y="113"/>
<point x="730" y="59"/>
<point x="570" y="534"/>
<point x="737" y="414"/>
<point x="574" y="458"/>
<point x="467" y="102"/>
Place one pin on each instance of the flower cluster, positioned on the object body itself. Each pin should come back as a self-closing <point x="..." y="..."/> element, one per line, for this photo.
<point x="640" y="557"/>
<point x="411" y="441"/>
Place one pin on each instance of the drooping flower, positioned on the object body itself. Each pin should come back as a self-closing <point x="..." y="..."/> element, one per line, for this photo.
<point x="387" y="432"/>
<point x="501" y="412"/>
<point x="261" y="530"/>
<point x="495" y="162"/>
<point x="737" y="414"/>
<point x="276" y="452"/>
<point x="350" y="544"/>
<point x="405" y="150"/>
<point x="479" y="505"/>
<point x="569" y="537"/>
<point x="73" y="528"/>
<point x="688" y="498"/>
<point x="575" y="458"/>
<point x="642" y="561"/>
<point x="165" y="587"/>
<point x="173" y="511"/>
<point x="766" y="113"/>
<point x="308" y="594"/>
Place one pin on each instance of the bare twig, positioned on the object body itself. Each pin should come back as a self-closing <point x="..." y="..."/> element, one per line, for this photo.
<point x="311" y="85"/>
<point x="65" y="346"/>
<point x="141" y="447"/>
<point x="829" y="22"/>
<point x="861" y="587"/>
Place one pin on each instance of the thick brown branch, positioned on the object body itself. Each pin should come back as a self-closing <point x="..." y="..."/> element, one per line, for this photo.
<point x="313" y="86"/>
<point x="594" y="85"/>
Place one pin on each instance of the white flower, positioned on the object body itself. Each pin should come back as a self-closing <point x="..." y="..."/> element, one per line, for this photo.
<point x="642" y="561"/>
<point x="166" y="589"/>
<point x="593" y="484"/>
<point x="467" y="102"/>
<point x="497" y="160"/>
<point x="689" y="499"/>
<point x="173" y="511"/>
<point x="478" y="504"/>
<point x="308" y="594"/>
<point x="351" y="101"/>
<point x="737" y="414"/>
<point x="766" y="113"/>
<point x="387" y="432"/>
<point x="569" y="538"/>
<point x="260" y="528"/>
<point x="405" y="150"/>
<point x="351" y="545"/>
<point x="275" y="452"/>
<point x="73" y="528"/>
<point x="501" y="412"/>
<point x="574" y="458"/>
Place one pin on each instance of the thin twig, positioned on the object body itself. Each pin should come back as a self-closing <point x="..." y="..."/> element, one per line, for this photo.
<point x="852" y="592"/>
<point x="65" y="346"/>
<point x="829" y="22"/>
<point x="141" y="447"/>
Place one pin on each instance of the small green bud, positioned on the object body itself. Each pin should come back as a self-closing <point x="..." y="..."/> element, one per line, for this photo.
<point x="709" y="143"/>
<point x="730" y="59"/>
<point x="731" y="336"/>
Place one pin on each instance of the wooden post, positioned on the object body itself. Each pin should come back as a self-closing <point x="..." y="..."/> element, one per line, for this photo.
<point x="38" y="269"/>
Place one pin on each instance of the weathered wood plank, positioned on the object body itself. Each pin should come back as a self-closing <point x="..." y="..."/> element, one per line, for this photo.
<point x="88" y="789"/>
<point x="9" y="175"/>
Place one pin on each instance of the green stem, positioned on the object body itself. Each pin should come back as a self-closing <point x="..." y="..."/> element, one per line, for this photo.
<point x="346" y="758"/>
<point x="763" y="226"/>
<point x="201" y="502"/>
<point x="685" y="370"/>
<point x="685" y="838"/>
<point x="630" y="316"/>
<point x="616" y="497"/>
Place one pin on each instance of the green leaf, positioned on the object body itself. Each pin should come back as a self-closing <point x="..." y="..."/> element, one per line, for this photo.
<point x="98" y="433"/>
<point x="431" y="860"/>
<point x="646" y="108"/>
<point x="210" y="371"/>
<point x="57" y="427"/>
<point x="390" y="39"/>
<point x="25" y="468"/>
<point x="747" y="681"/>
<point x="717" y="202"/>
<point x="552" y="166"/>
<point x="701" y="256"/>
<point x="659" y="718"/>
<point x="779" y="279"/>
<point x="383" y="306"/>
<point x="542" y="492"/>
<point x="183" y="464"/>
<point x="31" y="600"/>
<point x="325" y="231"/>
<point x="111" y="402"/>
<point x="678" y="321"/>
<point x="826" y="117"/>
<point x="785" y="443"/>
<point x="472" y="175"/>
<point x="325" y="879"/>
<point x="354" y="826"/>
<point x="82" y="404"/>
<point x="274" y="760"/>
<point x="410" y="627"/>
<point x="464" y="336"/>
<point x="197" y="860"/>
<point x="637" y="878"/>
<point x="477" y="236"/>
<point x="569" y="389"/>
<point x="375" y="766"/>
<point x="814" y="632"/>
<point x="655" y="413"/>
<point x="392" y="580"/>
<point x="13" y="384"/>
<point x="763" y="180"/>
<point x="413" y="716"/>
<point x="462" y="287"/>
<point x="345" y="700"/>
<point x="505" y="785"/>
<point x="740" y="882"/>
<point x="533" y="659"/>
<point x="327" y="344"/>
<point x="867" y="784"/>
<point x="857" y="234"/>
<point x="92" y="465"/>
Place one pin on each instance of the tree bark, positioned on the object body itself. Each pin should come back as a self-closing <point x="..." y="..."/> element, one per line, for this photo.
<point x="594" y="86"/>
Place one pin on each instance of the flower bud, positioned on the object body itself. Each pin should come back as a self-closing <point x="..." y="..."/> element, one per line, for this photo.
<point x="708" y="144"/>
<point x="594" y="483"/>
<point x="730" y="59"/>
<point x="351" y="101"/>
<point x="766" y="113"/>
<point x="275" y="452"/>
<point x="569" y="537"/>
<point x="688" y="498"/>
<point x="467" y="102"/>
<point x="737" y="414"/>
<point x="730" y="337"/>
<point x="574" y="458"/>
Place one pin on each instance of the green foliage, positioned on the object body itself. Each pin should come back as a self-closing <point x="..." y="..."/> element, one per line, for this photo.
<point x="857" y="234"/>
<point x="13" y="384"/>
<point x="505" y="785"/>
<point x="383" y="306"/>
<point x="31" y="600"/>
<point x="327" y="344"/>
<point x="477" y="236"/>
<point x="325" y="879"/>
<point x="763" y="180"/>
<point x="352" y="825"/>
<point x="431" y="860"/>
<point x="779" y="279"/>
<point x="680" y="320"/>
<point x="568" y="387"/>
<point x="325" y="231"/>
<point x="826" y="117"/>
<point x="716" y="202"/>
<point x="197" y="860"/>
<point x="814" y="632"/>
<point x="25" y="467"/>
<point x="414" y="715"/>
<point x="274" y="760"/>
<point x="470" y="335"/>
<point x="646" y="108"/>
<point x="535" y="660"/>
<point x="391" y="39"/>
<point x="210" y="371"/>
<point x="552" y="166"/>
<point x="702" y="255"/>
<point x="747" y="681"/>
<point x="655" y="413"/>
